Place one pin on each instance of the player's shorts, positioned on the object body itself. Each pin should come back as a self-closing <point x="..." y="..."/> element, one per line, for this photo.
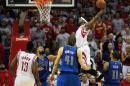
<point x="45" y="83"/>
<point x="86" y="54"/>
<point x="125" y="70"/>
<point x="24" y="81"/>
<point x="68" y="80"/>
<point x="111" y="85"/>
<point x="114" y="84"/>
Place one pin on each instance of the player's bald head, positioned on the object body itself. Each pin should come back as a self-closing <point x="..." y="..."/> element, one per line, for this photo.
<point x="30" y="46"/>
<point x="82" y="20"/>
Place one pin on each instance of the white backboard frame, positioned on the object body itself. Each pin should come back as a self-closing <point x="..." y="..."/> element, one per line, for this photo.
<point x="31" y="4"/>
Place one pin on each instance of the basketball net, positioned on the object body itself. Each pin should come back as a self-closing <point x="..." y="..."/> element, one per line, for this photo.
<point x="44" y="8"/>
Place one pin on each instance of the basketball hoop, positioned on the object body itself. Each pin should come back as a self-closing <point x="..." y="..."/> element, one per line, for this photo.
<point x="44" y="8"/>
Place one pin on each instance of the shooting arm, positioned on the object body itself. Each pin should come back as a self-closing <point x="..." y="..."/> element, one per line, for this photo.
<point x="23" y="15"/>
<point x="81" y="61"/>
<point x="13" y="63"/>
<point x="57" y="61"/>
<point x="12" y="66"/>
<point x="91" y="23"/>
<point x="35" y="70"/>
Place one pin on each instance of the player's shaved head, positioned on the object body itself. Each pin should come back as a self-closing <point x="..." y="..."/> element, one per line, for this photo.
<point x="82" y="20"/>
<point x="72" y="39"/>
<point x="30" y="46"/>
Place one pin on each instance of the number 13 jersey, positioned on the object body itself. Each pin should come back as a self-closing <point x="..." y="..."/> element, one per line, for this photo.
<point x="25" y="61"/>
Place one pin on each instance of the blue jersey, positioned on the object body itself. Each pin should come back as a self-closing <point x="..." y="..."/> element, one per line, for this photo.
<point x="112" y="77"/>
<point x="44" y="68"/>
<point x="69" y="61"/>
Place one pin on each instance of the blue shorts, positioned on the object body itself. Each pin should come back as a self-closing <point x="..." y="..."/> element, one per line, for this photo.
<point x="45" y="83"/>
<point x="68" y="80"/>
<point x="104" y="84"/>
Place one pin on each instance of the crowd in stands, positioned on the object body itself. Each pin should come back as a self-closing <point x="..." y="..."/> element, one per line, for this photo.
<point x="111" y="31"/>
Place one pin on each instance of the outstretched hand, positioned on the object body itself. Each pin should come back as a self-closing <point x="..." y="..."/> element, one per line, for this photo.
<point x="50" y="78"/>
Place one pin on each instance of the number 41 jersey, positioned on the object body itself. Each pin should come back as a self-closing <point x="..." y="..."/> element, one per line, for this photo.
<point x="69" y="60"/>
<point x="25" y="61"/>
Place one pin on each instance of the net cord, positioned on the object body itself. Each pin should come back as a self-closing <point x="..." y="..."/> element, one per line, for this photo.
<point x="44" y="11"/>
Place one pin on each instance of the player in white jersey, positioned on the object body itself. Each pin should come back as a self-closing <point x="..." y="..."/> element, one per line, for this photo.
<point x="82" y="34"/>
<point x="26" y="67"/>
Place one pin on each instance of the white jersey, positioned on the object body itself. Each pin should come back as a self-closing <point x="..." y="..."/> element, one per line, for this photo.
<point x="82" y="43"/>
<point x="86" y="54"/>
<point x="81" y="36"/>
<point x="25" y="61"/>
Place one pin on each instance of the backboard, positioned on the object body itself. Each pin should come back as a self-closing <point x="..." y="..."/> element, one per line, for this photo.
<point x="30" y="3"/>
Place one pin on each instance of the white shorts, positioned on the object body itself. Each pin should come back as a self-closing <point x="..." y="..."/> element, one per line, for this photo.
<point x="24" y="81"/>
<point x="125" y="70"/>
<point x="86" y="54"/>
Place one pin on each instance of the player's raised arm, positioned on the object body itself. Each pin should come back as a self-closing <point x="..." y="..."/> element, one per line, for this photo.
<point x="52" y="58"/>
<point x="56" y="64"/>
<point x="12" y="65"/>
<point x="22" y="18"/>
<point x="82" y="61"/>
<point x="90" y="24"/>
<point x="35" y="71"/>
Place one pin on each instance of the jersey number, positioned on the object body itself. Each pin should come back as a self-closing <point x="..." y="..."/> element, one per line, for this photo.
<point x="24" y="66"/>
<point x="69" y="60"/>
<point x="114" y="74"/>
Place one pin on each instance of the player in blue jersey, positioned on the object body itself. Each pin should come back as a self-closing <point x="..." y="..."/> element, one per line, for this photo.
<point x="43" y="64"/>
<point x="112" y="70"/>
<point x="70" y="59"/>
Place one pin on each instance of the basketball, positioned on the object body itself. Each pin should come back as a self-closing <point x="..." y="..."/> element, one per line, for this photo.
<point x="101" y="4"/>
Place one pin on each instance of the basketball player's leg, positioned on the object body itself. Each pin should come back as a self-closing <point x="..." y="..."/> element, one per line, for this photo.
<point x="24" y="81"/>
<point x="86" y="54"/>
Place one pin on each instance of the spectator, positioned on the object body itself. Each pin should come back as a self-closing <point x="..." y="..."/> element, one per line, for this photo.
<point x="49" y="33"/>
<point x="2" y="52"/>
<point x="126" y="81"/>
<point x="84" y="80"/>
<point x="126" y="61"/>
<point x="92" y="81"/>
<point x="62" y="38"/>
<point x="92" y="44"/>
<point x="118" y="43"/>
<point x="108" y="23"/>
<point x="39" y="37"/>
<point x="126" y="43"/>
<point x="111" y="39"/>
<point x="106" y="51"/>
<point x="126" y="31"/>
<point x="5" y="29"/>
<point x="118" y="23"/>
<point x="70" y="25"/>
<point x="4" y="77"/>
<point x="128" y="22"/>
<point x="99" y="30"/>
<point x="98" y="60"/>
